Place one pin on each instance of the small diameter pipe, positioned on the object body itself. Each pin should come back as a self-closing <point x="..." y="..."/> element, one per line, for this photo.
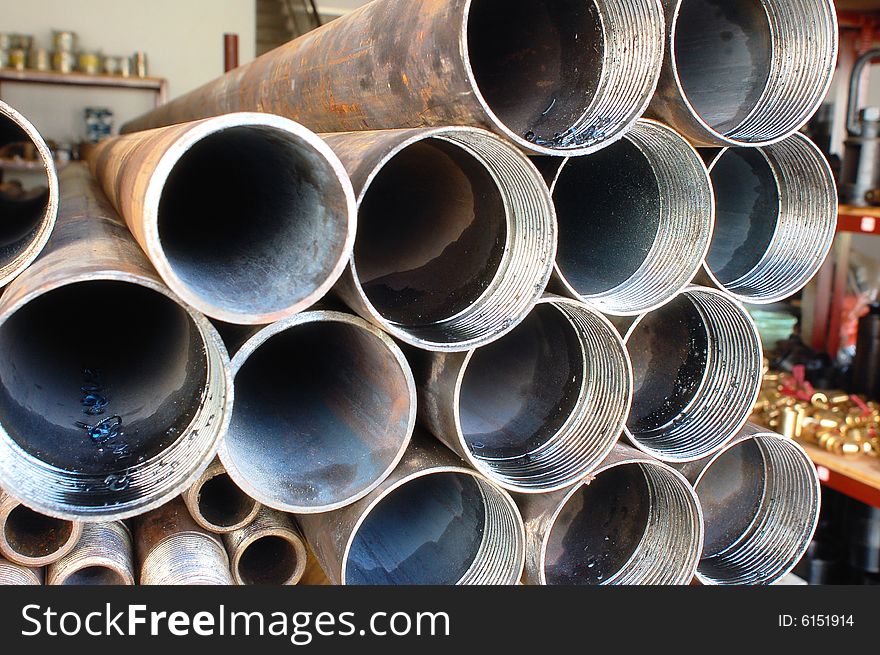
<point x="30" y="539"/>
<point x="102" y="557"/>
<point x="15" y="574"/>
<point x="268" y="551"/>
<point x="217" y="504"/>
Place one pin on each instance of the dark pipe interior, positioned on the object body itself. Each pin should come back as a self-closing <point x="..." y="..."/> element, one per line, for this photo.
<point x="723" y="51"/>
<point x="222" y="503"/>
<point x="268" y="561"/>
<point x="251" y="220"/>
<point x="426" y="532"/>
<point x="669" y="351"/>
<point x="730" y="493"/>
<point x="132" y="347"/>
<point x="431" y="234"/>
<point x="608" y="208"/>
<point x="33" y="535"/>
<point x="518" y="392"/>
<point x="320" y="413"/>
<point x="747" y="212"/>
<point x="22" y="208"/>
<point x="537" y="62"/>
<point x="95" y="576"/>
<point x="599" y="528"/>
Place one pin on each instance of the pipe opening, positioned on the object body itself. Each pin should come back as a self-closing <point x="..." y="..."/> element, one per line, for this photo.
<point x="632" y="524"/>
<point x="542" y="406"/>
<point x="635" y="220"/>
<point x="437" y="529"/>
<point x="323" y="410"/>
<point x="270" y="560"/>
<point x="33" y="535"/>
<point x="697" y="369"/>
<point x="760" y="499"/>
<point x="95" y="576"/>
<point x="222" y="503"/>
<point x="83" y="398"/>
<point x="553" y="72"/>
<point x="253" y="220"/>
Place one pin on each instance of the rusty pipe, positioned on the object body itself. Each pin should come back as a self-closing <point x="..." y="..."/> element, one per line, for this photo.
<point x="31" y="539"/>
<point x="537" y="410"/>
<point x="15" y="574"/>
<point x="553" y="76"/>
<point x="25" y="224"/>
<point x="217" y="504"/>
<point x="249" y="218"/>
<point x="123" y="408"/>
<point x="456" y="235"/>
<point x="635" y="221"/>
<point x="746" y="73"/>
<point x="326" y="404"/>
<point x="697" y="364"/>
<point x="776" y="219"/>
<point x="172" y="550"/>
<point x="760" y="498"/>
<point x="432" y="521"/>
<point x="102" y="557"/>
<point x="268" y="551"/>
<point x="633" y="521"/>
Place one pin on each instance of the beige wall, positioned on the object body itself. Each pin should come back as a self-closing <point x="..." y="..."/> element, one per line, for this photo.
<point x="182" y="38"/>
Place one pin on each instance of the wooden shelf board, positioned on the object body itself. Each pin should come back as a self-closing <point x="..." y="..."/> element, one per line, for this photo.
<point x="81" y="79"/>
<point x="857" y="477"/>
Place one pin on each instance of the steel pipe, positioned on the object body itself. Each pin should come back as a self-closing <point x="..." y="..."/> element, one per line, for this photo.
<point x="113" y="394"/>
<point x="432" y="521"/>
<point x="102" y="557"/>
<point x="776" y="220"/>
<point x="249" y="218"/>
<point x="31" y="539"/>
<point x="26" y="223"/>
<point x="635" y="221"/>
<point x="172" y="550"/>
<point x="746" y="73"/>
<point x="697" y="364"/>
<point x="326" y="405"/>
<point x="268" y="551"/>
<point x="217" y="504"/>
<point x="15" y="574"/>
<point x="634" y="521"/>
<point x="537" y="410"/>
<point x="456" y="235"/>
<point x="553" y="76"/>
<point x="760" y="498"/>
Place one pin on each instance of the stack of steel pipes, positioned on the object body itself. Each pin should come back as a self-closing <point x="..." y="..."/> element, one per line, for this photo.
<point x="413" y="297"/>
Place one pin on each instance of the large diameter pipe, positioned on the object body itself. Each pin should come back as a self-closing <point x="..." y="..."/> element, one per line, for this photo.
<point x="760" y="498"/>
<point x="776" y="219"/>
<point x="103" y="557"/>
<point x="325" y="407"/>
<point x="26" y="222"/>
<point x="633" y="521"/>
<point x="456" y="234"/>
<point x="746" y="73"/>
<point x="434" y="521"/>
<point x="217" y="504"/>
<point x="537" y="410"/>
<point x="31" y="539"/>
<point x="268" y="551"/>
<point x="249" y="218"/>
<point x="172" y="550"/>
<point x="113" y="394"/>
<point x="553" y="76"/>
<point x="635" y="221"/>
<point x="15" y="574"/>
<point x="697" y="364"/>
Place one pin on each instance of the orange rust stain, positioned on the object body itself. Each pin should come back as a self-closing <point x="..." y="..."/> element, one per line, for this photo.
<point x="405" y="80"/>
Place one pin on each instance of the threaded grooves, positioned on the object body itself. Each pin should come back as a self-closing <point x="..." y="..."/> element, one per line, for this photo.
<point x="103" y="556"/>
<point x="265" y="564"/>
<point x="13" y="574"/>
<point x="499" y="560"/>
<point x="722" y="368"/>
<point x="782" y="525"/>
<point x="594" y="421"/>
<point x="187" y="558"/>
